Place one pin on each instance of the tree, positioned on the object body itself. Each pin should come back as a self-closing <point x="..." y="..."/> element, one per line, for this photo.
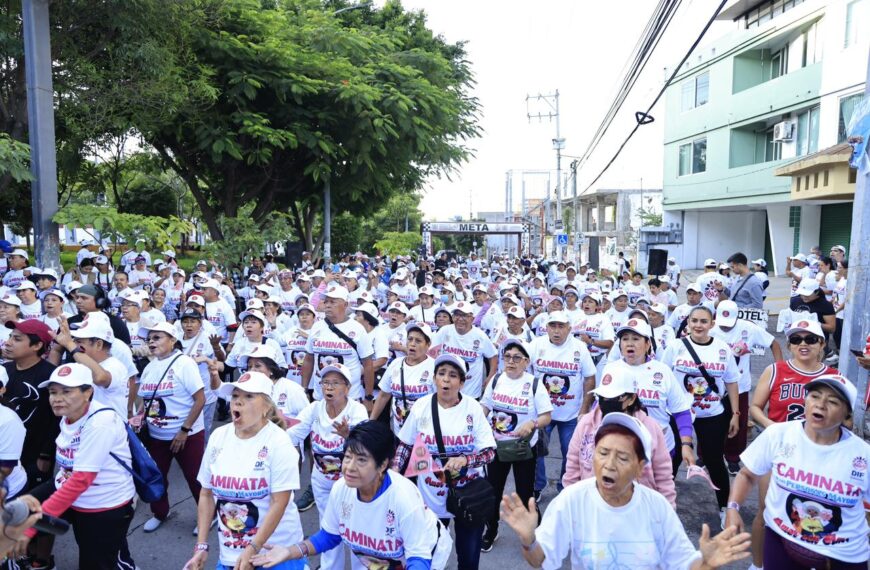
<point x="369" y="100"/>
<point x="248" y="237"/>
<point x="398" y="243"/>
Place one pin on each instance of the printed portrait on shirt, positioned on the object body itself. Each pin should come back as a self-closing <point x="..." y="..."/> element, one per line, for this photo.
<point x="811" y="518"/>
<point x="503" y="422"/>
<point x="297" y="357"/>
<point x="238" y="519"/>
<point x="325" y="360"/>
<point x="698" y="387"/>
<point x="374" y="563"/>
<point x="156" y="409"/>
<point x="557" y="385"/>
<point x="330" y="465"/>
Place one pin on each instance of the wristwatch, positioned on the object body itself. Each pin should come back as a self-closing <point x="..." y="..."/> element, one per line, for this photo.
<point x="186" y="429"/>
<point x="370" y="397"/>
<point x="733" y="505"/>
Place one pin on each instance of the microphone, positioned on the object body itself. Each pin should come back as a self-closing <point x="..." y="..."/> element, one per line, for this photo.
<point x="16" y="512"/>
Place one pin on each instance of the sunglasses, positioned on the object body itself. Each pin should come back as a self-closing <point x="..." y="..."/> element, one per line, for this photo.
<point x="808" y="340"/>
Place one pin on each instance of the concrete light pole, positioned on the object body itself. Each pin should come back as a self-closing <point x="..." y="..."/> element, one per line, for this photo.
<point x="552" y="100"/>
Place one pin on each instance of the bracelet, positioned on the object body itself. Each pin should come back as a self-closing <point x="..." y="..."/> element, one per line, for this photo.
<point x="735" y="413"/>
<point x="186" y="429"/>
<point x="256" y="548"/>
<point x="201" y="547"/>
<point x="303" y="549"/>
<point x="733" y="505"/>
<point x="689" y="444"/>
<point x="530" y="547"/>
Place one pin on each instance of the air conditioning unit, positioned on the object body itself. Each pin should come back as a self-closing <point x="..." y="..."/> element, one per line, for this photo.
<point x="784" y="131"/>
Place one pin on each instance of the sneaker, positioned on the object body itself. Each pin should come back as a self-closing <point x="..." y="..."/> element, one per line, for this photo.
<point x="211" y="526"/>
<point x="488" y="539"/>
<point x="305" y="501"/>
<point x="154" y="523"/>
<point x="733" y="467"/>
<point x="833" y="359"/>
<point x="722" y="518"/>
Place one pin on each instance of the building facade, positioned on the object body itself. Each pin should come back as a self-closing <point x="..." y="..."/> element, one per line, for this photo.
<point x="776" y="91"/>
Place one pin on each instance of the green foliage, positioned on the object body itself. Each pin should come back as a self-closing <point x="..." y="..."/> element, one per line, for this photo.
<point x="14" y="159"/>
<point x="347" y="233"/>
<point x="247" y="237"/>
<point x="118" y="227"/>
<point x="398" y="243"/>
<point x="649" y="218"/>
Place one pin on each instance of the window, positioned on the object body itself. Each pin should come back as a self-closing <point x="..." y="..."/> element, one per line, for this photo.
<point x="767" y="11"/>
<point x="772" y="148"/>
<point x="695" y="91"/>
<point x="812" y="49"/>
<point x="779" y="62"/>
<point x="847" y="107"/>
<point x="693" y="157"/>
<point x="808" y="132"/>
<point x="856" y="11"/>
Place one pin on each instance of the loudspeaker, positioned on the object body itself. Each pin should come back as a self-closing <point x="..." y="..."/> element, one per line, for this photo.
<point x="657" y="262"/>
<point x="593" y="252"/>
<point x="293" y="253"/>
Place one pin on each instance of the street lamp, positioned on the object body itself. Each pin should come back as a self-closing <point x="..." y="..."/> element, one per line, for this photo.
<point x="327" y="187"/>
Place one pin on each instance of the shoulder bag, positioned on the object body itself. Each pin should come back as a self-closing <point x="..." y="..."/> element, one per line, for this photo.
<point x="143" y="433"/>
<point x="710" y="380"/>
<point x="475" y="502"/>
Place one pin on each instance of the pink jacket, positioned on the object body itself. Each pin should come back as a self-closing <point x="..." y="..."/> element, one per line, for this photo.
<point x="657" y="474"/>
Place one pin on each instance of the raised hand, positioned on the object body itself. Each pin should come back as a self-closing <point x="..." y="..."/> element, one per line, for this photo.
<point x="726" y="547"/>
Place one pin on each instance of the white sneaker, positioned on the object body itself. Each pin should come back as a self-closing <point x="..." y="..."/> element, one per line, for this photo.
<point x="154" y="523"/>
<point x="722" y="518"/>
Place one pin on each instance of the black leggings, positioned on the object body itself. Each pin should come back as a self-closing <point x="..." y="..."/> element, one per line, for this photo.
<point x="100" y="536"/>
<point x="524" y="481"/>
<point x="711" y="434"/>
<point x="777" y="557"/>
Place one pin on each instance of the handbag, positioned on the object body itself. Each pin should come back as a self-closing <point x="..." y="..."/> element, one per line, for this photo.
<point x="518" y="449"/>
<point x="144" y="434"/>
<point x="475" y="502"/>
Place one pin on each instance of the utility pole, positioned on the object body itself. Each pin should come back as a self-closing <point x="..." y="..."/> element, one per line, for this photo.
<point x="552" y="101"/>
<point x="577" y="233"/>
<point x="40" y="117"/>
<point x="856" y="322"/>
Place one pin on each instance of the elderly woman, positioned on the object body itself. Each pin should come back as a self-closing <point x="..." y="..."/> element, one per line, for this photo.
<point x="813" y="510"/>
<point x="610" y="521"/>
<point x="468" y="446"/>
<point x="618" y="392"/>
<point x="328" y="422"/>
<point x="253" y="447"/>
<point x="376" y="512"/>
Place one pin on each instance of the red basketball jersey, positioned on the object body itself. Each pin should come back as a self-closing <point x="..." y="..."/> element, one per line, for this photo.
<point x="787" y="396"/>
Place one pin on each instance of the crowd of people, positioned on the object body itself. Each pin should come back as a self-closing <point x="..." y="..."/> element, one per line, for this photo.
<point x="396" y="396"/>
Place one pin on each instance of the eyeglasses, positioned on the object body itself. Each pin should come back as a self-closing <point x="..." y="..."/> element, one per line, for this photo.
<point x="332" y="383"/>
<point x="808" y="340"/>
<point x="513" y="357"/>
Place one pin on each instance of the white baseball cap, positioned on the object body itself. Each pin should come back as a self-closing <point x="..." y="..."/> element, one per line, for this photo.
<point x="664" y="279"/>
<point x="259" y="351"/>
<point x="20" y="252"/>
<point x="516" y="312"/>
<point x="462" y="307"/>
<point x="839" y="248"/>
<point x="264" y="289"/>
<point x="340" y="368"/>
<point x="812" y="327"/>
<point x="254" y="304"/>
<point x="659" y="308"/>
<point x="45" y="273"/>
<point x="252" y="313"/>
<point x="726" y="314"/>
<point x="615" y="382"/>
<point x="210" y="284"/>
<point x="426" y="290"/>
<point x="638" y="326"/>
<point x="250" y="382"/>
<point x="557" y="317"/>
<point x="694" y="287"/>
<point x="163" y="327"/>
<point x="760" y="262"/>
<point x="594" y="295"/>
<point x="73" y="285"/>
<point x="70" y="375"/>
<point x="422" y="328"/>
<point x="305" y="307"/>
<point x="399" y="306"/>
<point x="839" y="383"/>
<point x="710" y="262"/>
<point x="633" y="424"/>
<point x="800" y="257"/>
<point x="26" y="284"/>
<point x="196" y="300"/>
<point x="807" y="287"/>
<point x="368" y="308"/>
<point x="337" y="292"/>
<point x="724" y="266"/>
<point x="94" y="328"/>
<point x="169" y="253"/>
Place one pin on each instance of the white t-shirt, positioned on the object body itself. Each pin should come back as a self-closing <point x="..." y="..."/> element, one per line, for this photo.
<point x="418" y="381"/>
<point x="326" y="445"/>
<point x="294" y="352"/>
<point x="139" y="279"/>
<point x="407" y="293"/>
<point x="680" y="314"/>
<point x="636" y="293"/>
<point x="201" y="346"/>
<point x="388" y="530"/>
<point x="657" y="389"/>
<point x="242" y="344"/>
<point x="472" y="347"/>
<point x="85" y="446"/>
<point x="717" y="359"/>
<point x="153" y="315"/>
<point x="220" y="314"/>
<point x="673" y="273"/>
<point x="512" y="403"/>
<point x="243" y="474"/>
<point x="11" y="445"/>
<point x="398" y="335"/>
<point x="707" y="283"/>
<point x="562" y="370"/>
<point x="804" y="273"/>
<point x="839" y="296"/>
<point x="597" y="327"/>
<point x="115" y="394"/>
<point x="122" y="352"/>
<point x="381" y="345"/>
<point x="464" y="429"/>
<point x="665" y="336"/>
<point x="31" y="311"/>
<point x="816" y="491"/>
<point x="421" y="315"/>
<point x="136" y="341"/>
<point x="328" y="348"/>
<point x="617" y="318"/>
<point x="645" y="534"/>
<point x="289" y="397"/>
<point x="741" y="338"/>
<point x="174" y="398"/>
<point x="13" y="278"/>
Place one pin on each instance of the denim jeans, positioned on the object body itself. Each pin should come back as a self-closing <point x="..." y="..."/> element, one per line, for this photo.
<point x="467" y="542"/>
<point x="566" y="430"/>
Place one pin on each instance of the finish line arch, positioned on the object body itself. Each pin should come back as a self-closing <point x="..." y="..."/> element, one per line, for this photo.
<point x="479" y="228"/>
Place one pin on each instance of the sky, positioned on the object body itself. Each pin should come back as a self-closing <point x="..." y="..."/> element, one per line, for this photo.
<point x="579" y="47"/>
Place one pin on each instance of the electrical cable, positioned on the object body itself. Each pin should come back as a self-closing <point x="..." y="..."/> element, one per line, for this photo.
<point x="644" y="117"/>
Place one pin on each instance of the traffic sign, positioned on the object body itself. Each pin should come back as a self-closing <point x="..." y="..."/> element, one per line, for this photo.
<point x="562" y="239"/>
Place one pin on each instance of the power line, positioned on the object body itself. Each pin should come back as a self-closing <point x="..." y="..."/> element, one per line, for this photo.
<point x="645" y="118"/>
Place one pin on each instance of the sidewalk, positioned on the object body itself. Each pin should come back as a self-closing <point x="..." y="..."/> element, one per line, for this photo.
<point x="778" y="293"/>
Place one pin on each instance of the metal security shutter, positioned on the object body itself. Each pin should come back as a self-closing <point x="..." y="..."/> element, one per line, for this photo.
<point x="836" y="226"/>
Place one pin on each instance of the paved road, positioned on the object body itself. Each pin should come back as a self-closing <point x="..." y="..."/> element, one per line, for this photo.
<point x="171" y="545"/>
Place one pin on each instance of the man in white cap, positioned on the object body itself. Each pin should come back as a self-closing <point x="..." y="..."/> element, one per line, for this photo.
<point x="810" y="298"/>
<point x="219" y="313"/>
<point x="17" y="272"/>
<point x="564" y="367"/>
<point x="741" y="336"/>
<point x="710" y="282"/>
<point x="471" y="344"/>
<point x="674" y="272"/>
<point x="406" y="291"/>
<point x="677" y="318"/>
<point x="798" y="269"/>
<point x="339" y="339"/>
